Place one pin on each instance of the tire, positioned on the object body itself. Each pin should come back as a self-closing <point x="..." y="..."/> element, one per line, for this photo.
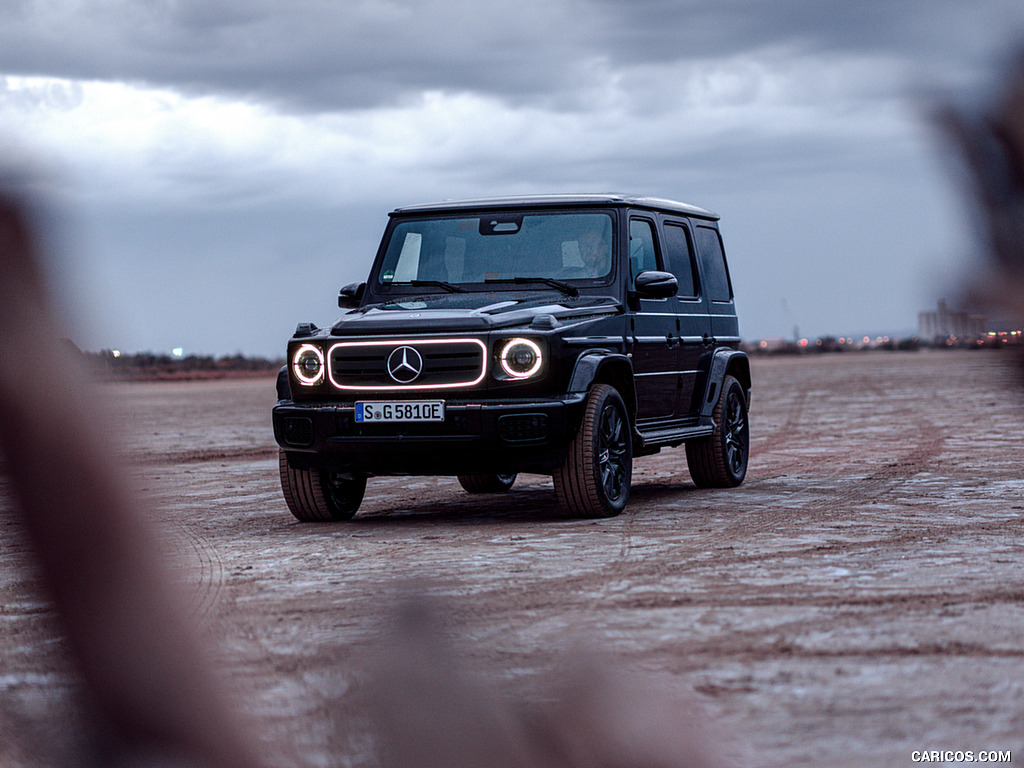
<point x="493" y="483"/>
<point x="320" y="495"/>
<point x="720" y="461"/>
<point x="595" y="479"/>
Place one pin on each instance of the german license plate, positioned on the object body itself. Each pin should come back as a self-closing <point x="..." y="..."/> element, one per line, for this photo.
<point x="400" y="410"/>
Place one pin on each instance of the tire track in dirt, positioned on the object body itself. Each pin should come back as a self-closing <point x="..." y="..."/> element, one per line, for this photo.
<point x="205" y="579"/>
<point x="789" y="430"/>
<point x="199" y="455"/>
<point x="625" y="569"/>
<point x="944" y="651"/>
<point x="912" y="460"/>
<point x="786" y="447"/>
<point x="629" y="521"/>
<point x="780" y="451"/>
<point x="827" y="489"/>
<point x="841" y="621"/>
<point x="927" y="445"/>
<point x="907" y="537"/>
<point x="637" y="571"/>
<point x="924" y="601"/>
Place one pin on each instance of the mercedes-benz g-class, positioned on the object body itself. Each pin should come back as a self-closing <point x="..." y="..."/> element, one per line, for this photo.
<point x="561" y="335"/>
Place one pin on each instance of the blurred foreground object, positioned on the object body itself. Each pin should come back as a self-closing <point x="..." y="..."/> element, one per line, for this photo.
<point x="150" y="697"/>
<point x="430" y="711"/>
<point x="992" y="143"/>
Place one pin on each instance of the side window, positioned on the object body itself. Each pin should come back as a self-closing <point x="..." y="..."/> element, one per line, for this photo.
<point x="712" y="263"/>
<point x="642" y="255"/>
<point x="679" y="255"/>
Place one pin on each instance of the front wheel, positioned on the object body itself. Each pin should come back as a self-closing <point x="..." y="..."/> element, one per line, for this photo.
<point x="595" y="479"/>
<point x="320" y="495"/>
<point x="720" y="461"/>
<point x="487" y="483"/>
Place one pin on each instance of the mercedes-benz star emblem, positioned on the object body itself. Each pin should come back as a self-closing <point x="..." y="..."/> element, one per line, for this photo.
<point x="405" y="365"/>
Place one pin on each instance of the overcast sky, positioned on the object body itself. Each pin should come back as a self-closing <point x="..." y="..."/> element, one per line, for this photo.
<point x="228" y="164"/>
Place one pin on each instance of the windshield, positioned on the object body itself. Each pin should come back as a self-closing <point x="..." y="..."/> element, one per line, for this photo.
<point x="452" y="251"/>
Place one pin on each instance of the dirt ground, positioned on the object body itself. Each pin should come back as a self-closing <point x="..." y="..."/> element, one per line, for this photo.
<point x="856" y="599"/>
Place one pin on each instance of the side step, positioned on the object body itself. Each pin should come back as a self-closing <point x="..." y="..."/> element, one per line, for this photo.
<point x="664" y="437"/>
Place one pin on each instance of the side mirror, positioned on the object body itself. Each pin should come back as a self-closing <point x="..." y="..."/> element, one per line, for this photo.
<point x="653" y="284"/>
<point x="350" y="296"/>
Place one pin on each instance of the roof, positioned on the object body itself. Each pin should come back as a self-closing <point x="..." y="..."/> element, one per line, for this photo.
<point x="555" y="201"/>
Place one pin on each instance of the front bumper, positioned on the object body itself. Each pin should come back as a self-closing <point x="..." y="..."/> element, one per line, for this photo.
<point x="475" y="437"/>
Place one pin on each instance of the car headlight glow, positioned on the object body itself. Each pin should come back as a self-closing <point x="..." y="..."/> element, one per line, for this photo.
<point x="521" y="358"/>
<point x="308" y="365"/>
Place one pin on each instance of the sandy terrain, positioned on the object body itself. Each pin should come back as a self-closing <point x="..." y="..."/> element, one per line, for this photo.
<point x="858" y="598"/>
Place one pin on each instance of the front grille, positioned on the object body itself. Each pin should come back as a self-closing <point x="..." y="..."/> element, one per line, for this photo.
<point x="415" y="364"/>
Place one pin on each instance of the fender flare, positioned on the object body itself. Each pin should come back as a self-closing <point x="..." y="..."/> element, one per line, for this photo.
<point x="284" y="390"/>
<point x="724" y="362"/>
<point x="598" y="364"/>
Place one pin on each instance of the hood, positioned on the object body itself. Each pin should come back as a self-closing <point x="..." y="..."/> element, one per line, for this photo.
<point x="471" y="312"/>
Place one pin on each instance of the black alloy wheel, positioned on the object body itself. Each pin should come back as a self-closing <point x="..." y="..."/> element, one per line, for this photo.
<point x="595" y="479"/>
<point x="320" y="495"/>
<point x="493" y="483"/>
<point x="736" y="434"/>
<point x="720" y="461"/>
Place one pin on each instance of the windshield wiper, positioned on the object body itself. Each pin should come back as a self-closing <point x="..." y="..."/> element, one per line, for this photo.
<point x="565" y="288"/>
<point x="436" y="283"/>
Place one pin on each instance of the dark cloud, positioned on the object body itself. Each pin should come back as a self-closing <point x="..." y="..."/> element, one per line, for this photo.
<point x="323" y="56"/>
<point x="314" y="55"/>
<point x="653" y="29"/>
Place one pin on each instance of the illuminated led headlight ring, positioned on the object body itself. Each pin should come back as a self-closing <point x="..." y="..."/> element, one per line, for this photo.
<point x="308" y="365"/>
<point x="521" y="358"/>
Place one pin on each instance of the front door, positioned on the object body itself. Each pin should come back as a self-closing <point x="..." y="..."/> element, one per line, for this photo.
<point x="691" y="307"/>
<point x="655" y="333"/>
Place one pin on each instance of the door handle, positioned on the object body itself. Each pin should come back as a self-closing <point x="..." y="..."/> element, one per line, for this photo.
<point x="673" y="340"/>
<point x="708" y="340"/>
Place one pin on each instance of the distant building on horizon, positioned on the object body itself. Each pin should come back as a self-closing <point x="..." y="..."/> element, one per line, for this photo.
<point x="946" y="322"/>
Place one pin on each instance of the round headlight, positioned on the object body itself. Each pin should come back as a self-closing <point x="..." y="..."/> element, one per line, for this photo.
<point x="308" y="365"/>
<point x="521" y="358"/>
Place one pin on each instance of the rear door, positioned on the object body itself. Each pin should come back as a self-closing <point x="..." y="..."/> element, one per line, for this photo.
<point x="718" y="287"/>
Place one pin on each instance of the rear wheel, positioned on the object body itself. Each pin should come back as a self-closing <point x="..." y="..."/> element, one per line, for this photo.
<point x="491" y="483"/>
<point x="595" y="479"/>
<point x="320" y="495"/>
<point x="720" y="461"/>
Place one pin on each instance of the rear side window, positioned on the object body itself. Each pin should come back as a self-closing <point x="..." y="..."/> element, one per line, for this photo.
<point x="712" y="264"/>
<point x="679" y="254"/>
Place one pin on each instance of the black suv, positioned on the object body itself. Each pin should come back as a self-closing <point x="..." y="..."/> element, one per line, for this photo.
<point x="557" y="335"/>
